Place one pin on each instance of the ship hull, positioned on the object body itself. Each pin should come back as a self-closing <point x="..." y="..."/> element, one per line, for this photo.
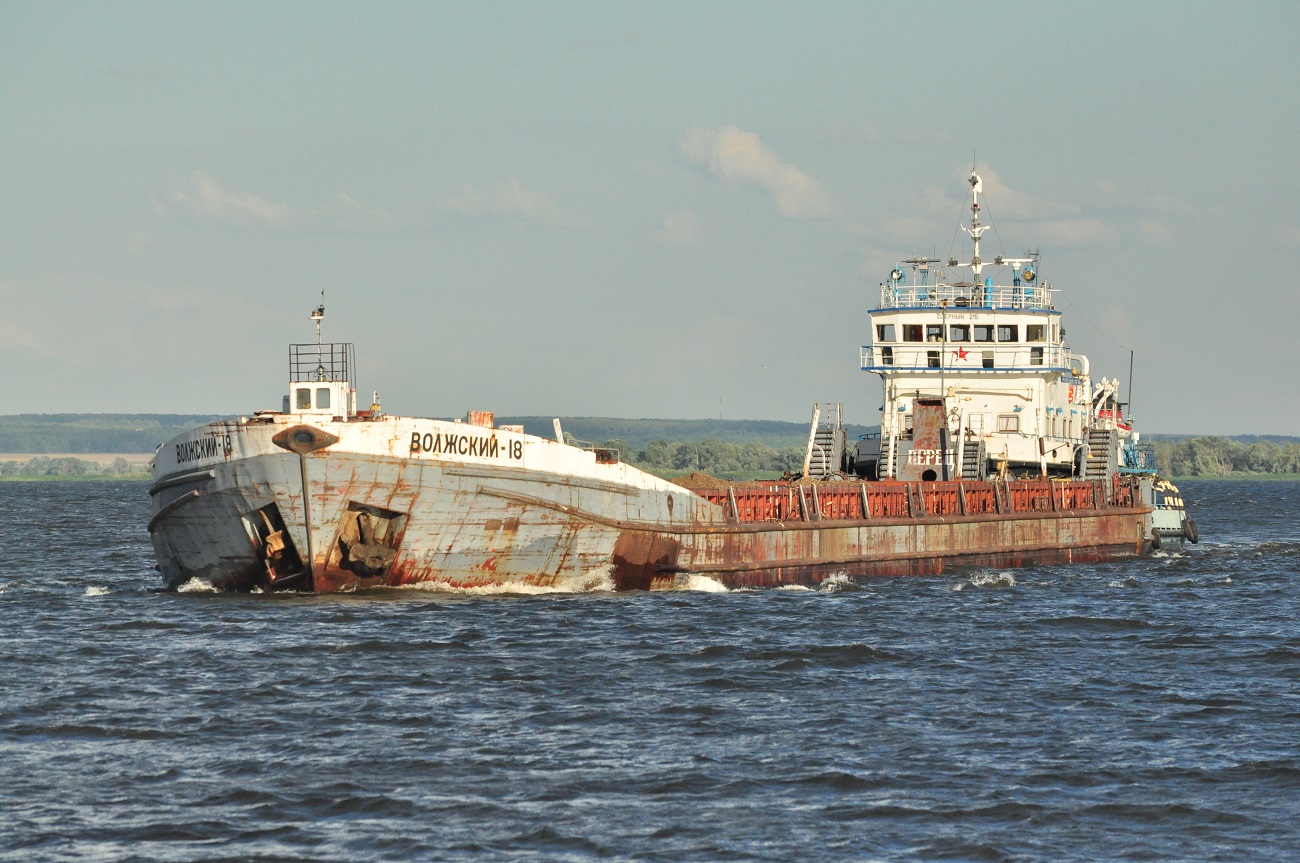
<point x="367" y="505"/>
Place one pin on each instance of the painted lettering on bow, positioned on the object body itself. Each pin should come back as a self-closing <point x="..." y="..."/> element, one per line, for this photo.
<point x="205" y="447"/>
<point x="465" y="444"/>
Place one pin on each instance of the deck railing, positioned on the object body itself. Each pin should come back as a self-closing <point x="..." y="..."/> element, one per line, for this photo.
<point x="964" y="296"/>
<point x="978" y="356"/>
<point x="863" y="501"/>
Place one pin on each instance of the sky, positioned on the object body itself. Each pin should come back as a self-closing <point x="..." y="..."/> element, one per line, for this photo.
<point x="676" y="210"/>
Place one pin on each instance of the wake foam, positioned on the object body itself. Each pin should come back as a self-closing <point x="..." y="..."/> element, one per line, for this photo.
<point x="96" y="590"/>
<point x="987" y="579"/>
<point x="701" y="583"/>
<point x="196" y="585"/>
<point x="592" y="581"/>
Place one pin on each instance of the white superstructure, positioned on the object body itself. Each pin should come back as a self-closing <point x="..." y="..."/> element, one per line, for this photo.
<point x="1017" y="399"/>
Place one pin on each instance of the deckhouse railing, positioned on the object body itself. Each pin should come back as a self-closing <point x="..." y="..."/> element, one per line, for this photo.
<point x="963" y="357"/>
<point x="963" y="295"/>
<point x="330" y="361"/>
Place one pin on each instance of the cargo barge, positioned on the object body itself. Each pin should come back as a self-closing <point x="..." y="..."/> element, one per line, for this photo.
<point x="997" y="449"/>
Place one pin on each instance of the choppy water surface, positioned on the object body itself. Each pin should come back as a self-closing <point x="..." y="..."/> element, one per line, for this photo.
<point x="1147" y="710"/>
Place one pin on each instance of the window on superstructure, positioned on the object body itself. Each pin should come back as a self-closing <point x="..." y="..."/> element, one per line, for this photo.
<point x="302" y="398"/>
<point x="884" y="332"/>
<point x="983" y="333"/>
<point x="986" y="360"/>
<point x="1034" y="332"/>
<point x="1008" y="333"/>
<point x="1035" y="356"/>
<point x="1009" y="423"/>
<point x="323" y="398"/>
<point x="912" y="333"/>
<point x="959" y="333"/>
<point x="933" y="333"/>
<point x="932" y="359"/>
<point x="887" y="356"/>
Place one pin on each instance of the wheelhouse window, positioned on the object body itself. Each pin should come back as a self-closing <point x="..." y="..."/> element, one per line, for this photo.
<point x="959" y="333"/>
<point x="323" y="397"/>
<point x="933" y="333"/>
<point x="1009" y="423"/>
<point x="983" y="333"/>
<point x="884" y="332"/>
<point x="912" y="332"/>
<point x="302" y="398"/>
<point x="1008" y="333"/>
<point x="1034" y="332"/>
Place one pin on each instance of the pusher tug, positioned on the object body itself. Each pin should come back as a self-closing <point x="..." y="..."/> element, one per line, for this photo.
<point x="997" y="449"/>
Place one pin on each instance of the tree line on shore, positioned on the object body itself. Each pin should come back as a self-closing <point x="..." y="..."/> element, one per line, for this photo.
<point x="1221" y="456"/>
<point x="1186" y="457"/>
<point x="67" y="466"/>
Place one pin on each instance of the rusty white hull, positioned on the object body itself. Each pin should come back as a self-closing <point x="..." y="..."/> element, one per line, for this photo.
<point x="289" y="501"/>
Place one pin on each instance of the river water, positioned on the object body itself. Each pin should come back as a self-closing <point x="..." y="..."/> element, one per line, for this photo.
<point x="1144" y="710"/>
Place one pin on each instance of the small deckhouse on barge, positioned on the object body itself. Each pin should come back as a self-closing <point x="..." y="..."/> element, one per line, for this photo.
<point x="997" y="448"/>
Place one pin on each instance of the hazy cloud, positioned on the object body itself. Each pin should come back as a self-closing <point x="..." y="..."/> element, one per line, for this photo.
<point x="1154" y="231"/>
<point x="17" y="329"/>
<point x="347" y="214"/>
<point x="736" y="156"/>
<point x="1063" y="233"/>
<point x="207" y="199"/>
<point x="1289" y="235"/>
<point x="1007" y="203"/>
<point x="680" y="227"/>
<point x="204" y="198"/>
<point x="509" y="200"/>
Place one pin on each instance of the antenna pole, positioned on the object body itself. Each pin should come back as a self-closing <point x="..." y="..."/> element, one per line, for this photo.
<point x="1130" y="383"/>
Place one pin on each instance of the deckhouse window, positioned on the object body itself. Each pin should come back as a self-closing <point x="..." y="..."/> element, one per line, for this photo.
<point x="983" y="333"/>
<point x="1008" y="333"/>
<point x="911" y="332"/>
<point x="323" y="397"/>
<point x="1035" y="356"/>
<point x="1034" y="332"/>
<point x="887" y="356"/>
<point x="1009" y="423"/>
<point x="884" y="332"/>
<point x="932" y="359"/>
<point x="933" y="333"/>
<point x="986" y="360"/>
<point x="303" y="398"/>
<point x="959" y="333"/>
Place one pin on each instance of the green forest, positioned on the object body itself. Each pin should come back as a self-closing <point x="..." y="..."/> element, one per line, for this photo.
<point x="731" y="449"/>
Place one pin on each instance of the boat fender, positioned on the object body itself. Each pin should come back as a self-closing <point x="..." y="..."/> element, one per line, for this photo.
<point x="1190" y="531"/>
<point x="1155" y="541"/>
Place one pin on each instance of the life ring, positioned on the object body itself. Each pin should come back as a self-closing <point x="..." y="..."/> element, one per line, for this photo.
<point x="1070" y="398"/>
<point x="1190" y="531"/>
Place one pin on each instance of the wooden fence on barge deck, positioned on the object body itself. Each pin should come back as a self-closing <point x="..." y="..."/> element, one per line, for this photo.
<point x="862" y="501"/>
